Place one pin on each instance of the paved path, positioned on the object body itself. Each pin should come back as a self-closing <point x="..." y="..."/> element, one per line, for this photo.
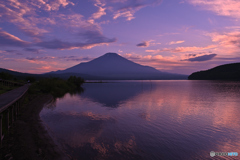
<point x="8" y="98"/>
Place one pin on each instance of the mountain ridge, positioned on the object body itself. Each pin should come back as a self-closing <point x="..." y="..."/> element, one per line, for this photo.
<point x="114" y="66"/>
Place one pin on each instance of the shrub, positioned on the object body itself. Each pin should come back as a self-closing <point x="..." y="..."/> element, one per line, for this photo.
<point x="56" y="86"/>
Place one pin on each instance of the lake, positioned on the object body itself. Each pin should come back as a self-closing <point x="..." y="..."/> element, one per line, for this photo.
<point x="165" y="119"/>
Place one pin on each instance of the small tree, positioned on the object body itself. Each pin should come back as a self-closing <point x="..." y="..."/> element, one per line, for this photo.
<point x="6" y="76"/>
<point x="76" y="80"/>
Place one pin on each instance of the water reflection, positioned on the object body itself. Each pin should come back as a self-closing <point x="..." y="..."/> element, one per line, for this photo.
<point x="162" y="120"/>
<point x="76" y="91"/>
<point x="114" y="94"/>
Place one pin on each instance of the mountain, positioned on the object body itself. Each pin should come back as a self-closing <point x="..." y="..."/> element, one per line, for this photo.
<point x="223" y="72"/>
<point x="24" y="76"/>
<point x="113" y="66"/>
<point x="19" y="75"/>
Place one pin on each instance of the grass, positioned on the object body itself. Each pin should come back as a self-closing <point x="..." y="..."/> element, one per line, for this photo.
<point x="4" y="89"/>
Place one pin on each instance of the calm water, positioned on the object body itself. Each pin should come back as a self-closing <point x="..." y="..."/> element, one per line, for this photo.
<point x="148" y="120"/>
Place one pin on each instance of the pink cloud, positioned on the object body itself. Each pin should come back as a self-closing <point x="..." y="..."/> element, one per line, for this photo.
<point x="220" y="7"/>
<point x="76" y="22"/>
<point x="163" y="63"/>
<point x="176" y="63"/>
<point x="228" y="42"/>
<point x="21" y="14"/>
<point x="127" y="14"/>
<point x="176" y="42"/>
<point x="51" y="5"/>
<point x="182" y="49"/>
<point x="101" y="10"/>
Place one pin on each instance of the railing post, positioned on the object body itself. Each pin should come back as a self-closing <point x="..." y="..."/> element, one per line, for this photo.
<point x="12" y="113"/>
<point x="1" y="129"/>
<point x="16" y="111"/>
<point x="7" y="118"/>
<point x="17" y="107"/>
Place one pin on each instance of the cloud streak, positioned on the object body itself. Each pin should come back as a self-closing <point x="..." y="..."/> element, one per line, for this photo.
<point x="201" y="58"/>
<point x="66" y="58"/>
<point x="7" y="39"/>
<point x="182" y="49"/>
<point x="32" y="50"/>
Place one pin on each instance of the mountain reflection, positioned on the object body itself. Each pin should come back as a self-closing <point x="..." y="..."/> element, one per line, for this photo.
<point x="114" y="94"/>
<point x="158" y="120"/>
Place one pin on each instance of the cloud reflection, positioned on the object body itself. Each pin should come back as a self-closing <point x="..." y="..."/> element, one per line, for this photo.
<point x="114" y="94"/>
<point x="168" y="119"/>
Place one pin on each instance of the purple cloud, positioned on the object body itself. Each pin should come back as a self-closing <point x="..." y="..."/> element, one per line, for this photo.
<point x="143" y="44"/>
<point x="201" y="58"/>
<point x="67" y="58"/>
<point x="90" y="38"/>
<point x="7" y="39"/>
<point x="13" y="52"/>
<point x="39" y="58"/>
<point x="33" y="50"/>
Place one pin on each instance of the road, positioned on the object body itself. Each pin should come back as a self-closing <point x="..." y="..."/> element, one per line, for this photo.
<point x="8" y="98"/>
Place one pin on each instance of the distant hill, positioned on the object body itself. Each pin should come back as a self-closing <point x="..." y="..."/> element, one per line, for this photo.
<point x="113" y="66"/>
<point x="19" y="75"/>
<point x="23" y="76"/>
<point x="223" y="72"/>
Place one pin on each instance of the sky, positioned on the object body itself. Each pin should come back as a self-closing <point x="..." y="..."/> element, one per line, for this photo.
<point x="177" y="36"/>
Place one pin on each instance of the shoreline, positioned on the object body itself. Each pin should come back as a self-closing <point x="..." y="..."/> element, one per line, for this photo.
<point x="28" y="138"/>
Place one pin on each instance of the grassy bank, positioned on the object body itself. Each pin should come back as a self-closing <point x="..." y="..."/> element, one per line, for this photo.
<point x="27" y="139"/>
<point x="56" y="86"/>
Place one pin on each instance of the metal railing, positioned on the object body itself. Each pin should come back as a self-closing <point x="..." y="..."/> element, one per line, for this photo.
<point x="10" y="83"/>
<point x="10" y="103"/>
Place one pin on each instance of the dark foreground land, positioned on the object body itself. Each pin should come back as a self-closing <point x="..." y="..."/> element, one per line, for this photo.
<point x="27" y="138"/>
<point x="223" y="72"/>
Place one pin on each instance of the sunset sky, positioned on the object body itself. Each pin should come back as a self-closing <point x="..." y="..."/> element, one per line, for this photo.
<point x="177" y="36"/>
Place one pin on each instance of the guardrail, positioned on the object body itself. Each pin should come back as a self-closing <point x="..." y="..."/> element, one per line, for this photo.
<point x="10" y="103"/>
<point x="10" y="83"/>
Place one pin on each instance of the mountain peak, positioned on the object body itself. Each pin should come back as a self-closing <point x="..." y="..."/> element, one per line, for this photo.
<point x="111" y="54"/>
<point x="109" y="58"/>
